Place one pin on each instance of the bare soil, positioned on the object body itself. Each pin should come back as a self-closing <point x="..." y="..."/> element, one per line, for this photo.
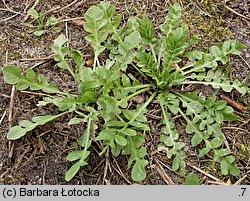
<point x="39" y="157"/>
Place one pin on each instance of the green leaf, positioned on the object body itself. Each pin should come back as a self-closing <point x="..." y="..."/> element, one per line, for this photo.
<point x="179" y="163"/>
<point x="94" y="13"/>
<point x="129" y="132"/>
<point x="228" y="166"/>
<point x="107" y="134"/>
<point x="72" y="171"/>
<point x="16" y="132"/>
<point x="132" y="40"/>
<point x="219" y="117"/>
<point x="146" y="29"/>
<point x="75" y="121"/>
<point x="84" y="140"/>
<point x="115" y="124"/>
<point x="12" y="74"/>
<point x="60" y="40"/>
<point x="134" y="142"/>
<point x="196" y="139"/>
<point x="75" y="155"/>
<point x="224" y="152"/>
<point x="56" y="29"/>
<point x="33" y="13"/>
<point x="28" y="25"/>
<point x="60" y="52"/>
<point x="120" y="140"/>
<point x="25" y="126"/>
<point x="217" y="141"/>
<point x="77" y="57"/>
<point x="220" y="105"/>
<point x="192" y="179"/>
<point x="41" y="120"/>
<point x="138" y="171"/>
<point x="216" y="52"/>
<point x="167" y="140"/>
<point x="51" y="21"/>
<point x="230" y="117"/>
<point x="38" y="32"/>
<point x="204" y="151"/>
<point x="139" y="125"/>
<point x="173" y="108"/>
<point x="116" y="150"/>
<point x="227" y="110"/>
<point x="30" y="75"/>
<point x="95" y="22"/>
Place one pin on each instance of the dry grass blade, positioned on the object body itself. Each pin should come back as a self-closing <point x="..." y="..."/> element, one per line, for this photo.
<point x="162" y="173"/>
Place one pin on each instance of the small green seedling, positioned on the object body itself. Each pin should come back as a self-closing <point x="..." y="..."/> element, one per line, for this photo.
<point x="163" y="63"/>
<point x="192" y="179"/>
<point x="42" y="27"/>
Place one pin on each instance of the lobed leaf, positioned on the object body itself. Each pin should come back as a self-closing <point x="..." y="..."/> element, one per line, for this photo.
<point x="12" y="75"/>
<point x="25" y="126"/>
<point x="228" y="166"/>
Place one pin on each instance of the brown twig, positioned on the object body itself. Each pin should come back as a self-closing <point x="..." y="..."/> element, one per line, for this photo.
<point x="67" y="34"/>
<point x="162" y="173"/>
<point x="37" y="59"/>
<point x="8" y="18"/>
<point x="236" y="128"/>
<point x="152" y="116"/>
<point x="12" y="100"/>
<point x="36" y="93"/>
<point x="9" y="9"/>
<point x="65" y="7"/>
<point x="201" y="9"/>
<point x="39" y="64"/>
<point x="2" y="118"/>
<point x="71" y="19"/>
<point x="216" y="182"/>
<point x="35" y="4"/>
<point x="235" y="12"/>
<point x="225" y="141"/>
<point x="119" y="171"/>
<point x="107" y="164"/>
<point x="245" y="61"/>
<point x="52" y="10"/>
<point x="233" y="103"/>
<point x="4" y="95"/>
<point x="42" y="59"/>
<point x="207" y="174"/>
<point x="45" y="163"/>
<point x="240" y="180"/>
